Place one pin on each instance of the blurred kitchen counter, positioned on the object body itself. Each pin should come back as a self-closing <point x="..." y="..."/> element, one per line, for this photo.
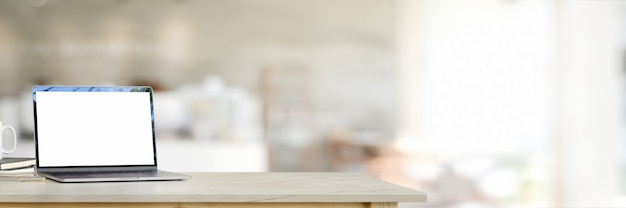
<point x="186" y="155"/>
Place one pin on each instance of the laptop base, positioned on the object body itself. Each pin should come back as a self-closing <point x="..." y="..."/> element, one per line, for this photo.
<point x="114" y="177"/>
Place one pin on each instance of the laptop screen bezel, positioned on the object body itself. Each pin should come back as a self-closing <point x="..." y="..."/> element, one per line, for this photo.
<point x="60" y="88"/>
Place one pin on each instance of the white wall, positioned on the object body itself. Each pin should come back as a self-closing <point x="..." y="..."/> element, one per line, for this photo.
<point x="590" y="114"/>
<point x="477" y="76"/>
<point x="529" y="79"/>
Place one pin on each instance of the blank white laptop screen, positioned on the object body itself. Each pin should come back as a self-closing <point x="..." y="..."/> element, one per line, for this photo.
<point x="94" y="128"/>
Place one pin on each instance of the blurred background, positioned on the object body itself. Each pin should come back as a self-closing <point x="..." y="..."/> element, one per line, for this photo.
<point x="491" y="103"/>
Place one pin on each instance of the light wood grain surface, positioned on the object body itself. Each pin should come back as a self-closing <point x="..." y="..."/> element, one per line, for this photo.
<point x="221" y="188"/>
<point x="198" y="205"/>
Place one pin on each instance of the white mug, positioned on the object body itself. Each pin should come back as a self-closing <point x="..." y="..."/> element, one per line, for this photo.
<point x="2" y="128"/>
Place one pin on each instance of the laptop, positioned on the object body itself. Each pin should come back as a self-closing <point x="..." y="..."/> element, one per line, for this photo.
<point x="96" y="134"/>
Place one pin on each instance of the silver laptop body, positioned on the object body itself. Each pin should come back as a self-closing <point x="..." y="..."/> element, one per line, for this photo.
<point x="96" y="134"/>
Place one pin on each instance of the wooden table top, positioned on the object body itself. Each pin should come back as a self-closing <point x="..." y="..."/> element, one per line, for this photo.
<point x="219" y="187"/>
